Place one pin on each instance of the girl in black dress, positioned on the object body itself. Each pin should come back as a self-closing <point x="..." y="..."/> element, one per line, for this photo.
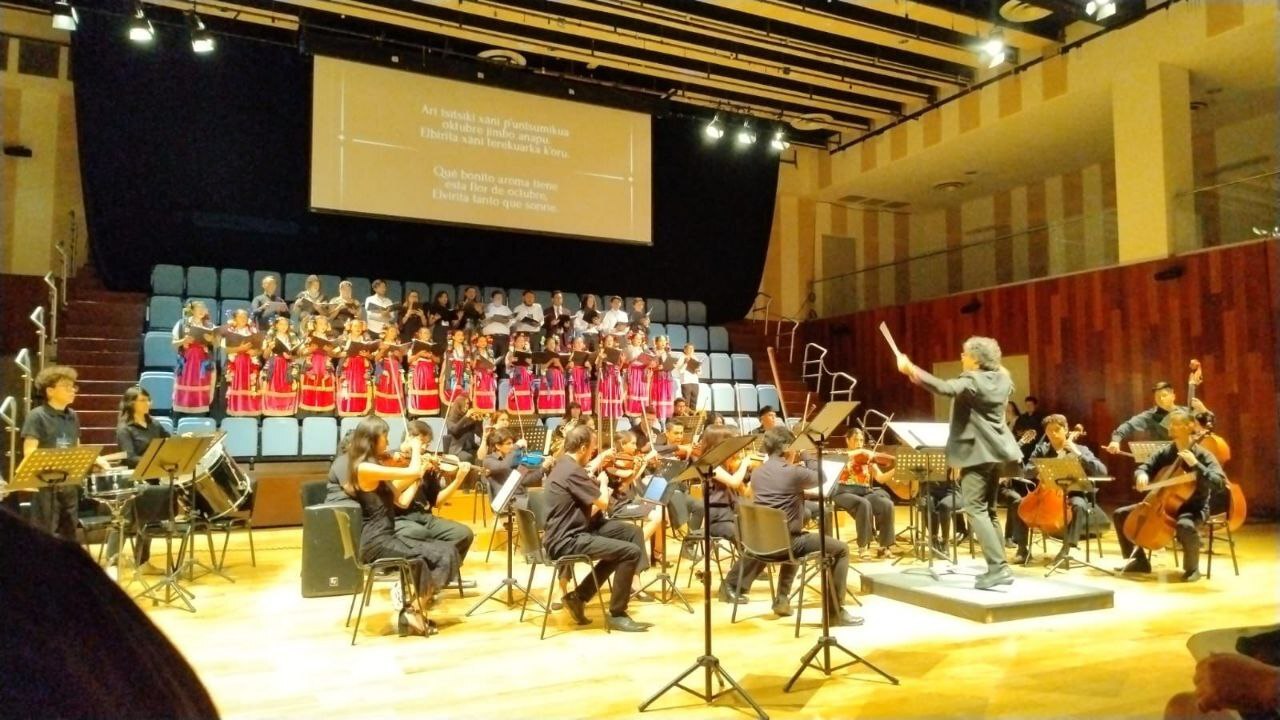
<point x="368" y="474"/>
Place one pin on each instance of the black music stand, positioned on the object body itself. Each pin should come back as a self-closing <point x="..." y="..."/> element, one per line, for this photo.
<point x="502" y="507"/>
<point x="814" y="437"/>
<point x="656" y="494"/>
<point x="47" y="468"/>
<point x="164" y="460"/>
<point x="923" y="456"/>
<point x="702" y="470"/>
<point x="1068" y="473"/>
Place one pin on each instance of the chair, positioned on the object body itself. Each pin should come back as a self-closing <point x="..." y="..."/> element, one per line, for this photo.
<point x="574" y="303"/>
<point x="158" y="351"/>
<point x="750" y="425"/>
<point x="345" y="426"/>
<point x="167" y="280"/>
<point x="160" y="386"/>
<point x="536" y="555"/>
<point x="294" y="283"/>
<point x="163" y="312"/>
<point x="329" y="285"/>
<point x="657" y="309"/>
<point x="721" y="367"/>
<point x="257" y="281"/>
<point x="197" y="425"/>
<point x="698" y="337"/>
<point x="677" y="335"/>
<point x="703" y="401"/>
<point x="397" y="428"/>
<point x="437" y="433"/>
<point x="543" y="298"/>
<point x="657" y="329"/>
<point x="395" y="291"/>
<point x="742" y="369"/>
<point x="229" y="307"/>
<point x="360" y="288"/>
<point x="514" y="296"/>
<point x="279" y="436"/>
<point x="242" y="436"/>
<point x="768" y="395"/>
<point x="208" y="302"/>
<point x="313" y="492"/>
<point x="697" y="312"/>
<point x="677" y="312"/>
<point x="234" y="283"/>
<point x="718" y="338"/>
<point x="1217" y="523"/>
<point x="704" y="366"/>
<point x="369" y="571"/>
<point x="723" y="399"/>
<point x="202" y="281"/>
<point x="678" y="512"/>
<point x="319" y="437"/>
<point x="165" y="422"/>
<point x="763" y="535"/>
<point x="748" y="398"/>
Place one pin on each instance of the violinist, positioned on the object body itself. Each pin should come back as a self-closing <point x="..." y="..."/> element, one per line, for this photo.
<point x="1185" y="456"/>
<point x="768" y="418"/>
<point x="505" y="455"/>
<point x="864" y="502"/>
<point x="780" y="483"/>
<point x="1058" y="443"/>
<point x="440" y="480"/>
<point x="1152" y="423"/>
<point x="625" y="467"/>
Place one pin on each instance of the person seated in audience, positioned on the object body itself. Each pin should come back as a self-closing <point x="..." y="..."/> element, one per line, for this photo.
<point x="1229" y="685"/>
<point x="418" y="522"/>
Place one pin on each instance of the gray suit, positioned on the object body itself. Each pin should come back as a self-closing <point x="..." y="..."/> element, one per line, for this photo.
<point x="979" y="444"/>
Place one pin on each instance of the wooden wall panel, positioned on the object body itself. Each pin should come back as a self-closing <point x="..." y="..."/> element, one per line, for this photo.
<point x="1097" y="343"/>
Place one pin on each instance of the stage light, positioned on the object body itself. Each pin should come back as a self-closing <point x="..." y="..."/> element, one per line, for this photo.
<point x="993" y="49"/>
<point x="714" y="129"/>
<point x="65" y="16"/>
<point x="201" y="39"/>
<point x="779" y="141"/>
<point x="140" y="28"/>
<point x="746" y="136"/>
<point x="1100" y="9"/>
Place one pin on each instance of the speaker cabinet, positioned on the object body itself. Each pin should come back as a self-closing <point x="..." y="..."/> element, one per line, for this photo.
<point x="324" y="570"/>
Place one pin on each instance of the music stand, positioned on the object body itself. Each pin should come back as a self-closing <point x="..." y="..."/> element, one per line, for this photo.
<point x="502" y="506"/>
<point x="164" y="460"/>
<point x="923" y="457"/>
<point x="1067" y="473"/>
<point x="47" y="468"/>
<point x="656" y="494"/>
<point x="702" y="469"/>
<point x="813" y="436"/>
<point x="1142" y="451"/>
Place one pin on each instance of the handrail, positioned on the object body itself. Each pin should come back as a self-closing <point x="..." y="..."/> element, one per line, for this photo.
<point x="23" y="361"/>
<point x="9" y="414"/>
<point x="53" y="306"/>
<point x="813" y="364"/>
<point x="757" y="308"/>
<point x="66" y="259"/>
<point x="844" y="393"/>
<point x="791" y="336"/>
<point x="37" y="317"/>
<point x="771" y="353"/>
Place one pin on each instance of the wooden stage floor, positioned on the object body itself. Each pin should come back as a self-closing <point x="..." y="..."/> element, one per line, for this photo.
<point x="264" y="651"/>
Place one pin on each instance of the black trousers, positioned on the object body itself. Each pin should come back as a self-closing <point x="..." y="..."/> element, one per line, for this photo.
<point x="801" y="545"/>
<point x="864" y="505"/>
<point x="423" y="526"/>
<point x="151" y="505"/>
<point x="689" y="391"/>
<point x="1014" y="528"/>
<point x="56" y="510"/>
<point x="618" y="548"/>
<point x="943" y="499"/>
<point x="978" y="487"/>
<point x="1187" y="530"/>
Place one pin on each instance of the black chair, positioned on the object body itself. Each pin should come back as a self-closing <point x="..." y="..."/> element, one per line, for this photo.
<point x="314" y="492"/>
<point x="241" y="519"/>
<point x="691" y="536"/>
<point x="535" y="554"/>
<point x="370" y="572"/>
<point x="764" y="536"/>
<point x="1219" y="522"/>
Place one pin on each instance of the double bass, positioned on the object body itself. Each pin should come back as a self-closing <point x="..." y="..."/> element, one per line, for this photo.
<point x="1044" y="508"/>
<point x="1216" y="445"/>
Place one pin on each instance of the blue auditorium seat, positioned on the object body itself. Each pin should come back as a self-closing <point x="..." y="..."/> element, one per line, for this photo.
<point x="164" y="422"/>
<point x="437" y="288"/>
<point x="742" y="369"/>
<point x="437" y="433"/>
<point x="504" y="389"/>
<point x="623" y="424"/>
<point x="573" y="302"/>
<point x="345" y="426"/>
<point x="424" y="290"/>
<point x="552" y="423"/>
<point x="703" y="401"/>
<point x="208" y="303"/>
<point x="256" y="289"/>
<point x="698" y="336"/>
<point x="515" y="296"/>
<point x="279" y="436"/>
<point x="543" y="298"/>
<point x="676" y="312"/>
<point x="160" y="386"/>
<point x="230" y="306"/>
<point x="395" y="291"/>
<point x="197" y="425"/>
<point x="329" y="285"/>
<point x="163" y="312"/>
<point x="234" y="283"/>
<point x="768" y="395"/>
<point x="697" y="312"/>
<point x="202" y="281"/>
<point x="242" y="436"/>
<point x="750" y="425"/>
<point x="721" y="367"/>
<point x="488" y="293"/>
<point x="294" y="283"/>
<point x="397" y="428"/>
<point x="748" y="398"/>
<point x="718" y="338"/>
<point x="723" y="399"/>
<point x="168" y="280"/>
<point x="158" y="351"/>
<point x="657" y="309"/>
<point x="319" y="436"/>
<point x="678" y="336"/>
<point x="656" y="329"/>
<point x="704" y="369"/>
<point x="360" y="288"/>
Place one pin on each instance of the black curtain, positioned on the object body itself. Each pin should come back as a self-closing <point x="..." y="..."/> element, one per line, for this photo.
<point x="204" y="160"/>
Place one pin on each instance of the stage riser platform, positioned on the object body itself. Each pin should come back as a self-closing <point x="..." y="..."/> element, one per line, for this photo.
<point x="954" y="594"/>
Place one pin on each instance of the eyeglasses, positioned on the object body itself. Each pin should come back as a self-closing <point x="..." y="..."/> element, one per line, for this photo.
<point x="68" y="386"/>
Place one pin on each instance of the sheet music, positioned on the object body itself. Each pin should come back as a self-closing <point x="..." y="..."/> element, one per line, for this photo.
<point x="888" y="336"/>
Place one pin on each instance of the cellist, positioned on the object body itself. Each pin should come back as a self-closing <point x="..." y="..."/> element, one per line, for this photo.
<point x="1058" y="443"/>
<point x="1186" y="456"/>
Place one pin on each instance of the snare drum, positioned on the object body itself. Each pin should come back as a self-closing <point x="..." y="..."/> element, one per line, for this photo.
<point x="221" y="486"/>
<point x="110" y="485"/>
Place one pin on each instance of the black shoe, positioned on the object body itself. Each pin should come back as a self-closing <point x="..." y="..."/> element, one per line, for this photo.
<point x="576" y="609"/>
<point x="731" y="596"/>
<point x="1022" y="558"/>
<point x="622" y="623"/>
<point x="1063" y="553"/>
<point x="1010" y="544"/>
<point x="844" y="618"/>
<point x="1137" y="565"/>
<point x="781" y="606"/>
<point x="1191" y="576"/>
<point x="986" y="581"/>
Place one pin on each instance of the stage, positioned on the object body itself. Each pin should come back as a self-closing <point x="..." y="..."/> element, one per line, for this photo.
<point x="1030" y="596"/>
<point x="266" y="652"/>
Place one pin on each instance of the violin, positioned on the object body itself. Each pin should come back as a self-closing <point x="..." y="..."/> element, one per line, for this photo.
<point x="752" y="459"/>
<point x="1043" y="507"/>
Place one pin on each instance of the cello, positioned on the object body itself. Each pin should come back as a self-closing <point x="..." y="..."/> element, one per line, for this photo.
<point x="1237" y="507"/>
<point x="1153" y="522"/>
<point x="1043" y="508"/>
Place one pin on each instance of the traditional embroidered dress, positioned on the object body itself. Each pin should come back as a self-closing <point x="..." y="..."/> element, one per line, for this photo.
<point x="194" y="375"/>
<point x="424" y="389"/>
<point x="456" y="379"/>
<point x="580" y="388"/>
<point x="319" y="391"/>
<point x="279" y="378"/>
<point x="484" y="383"/>
<point x="242" y="369"/>
<point x="551" y="390"/>
<point x="388" y="385"/>
<point x="354" y="391"/>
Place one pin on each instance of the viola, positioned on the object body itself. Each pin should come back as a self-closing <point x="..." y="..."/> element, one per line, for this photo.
<point x="1043" y="507"/>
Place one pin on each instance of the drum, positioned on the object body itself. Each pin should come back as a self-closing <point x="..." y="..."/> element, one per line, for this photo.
<point x="221" y="486"/>
<point x="112" y="484"/>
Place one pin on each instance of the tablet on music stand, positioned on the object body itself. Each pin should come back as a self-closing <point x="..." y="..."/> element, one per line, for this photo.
<point x="508" y="489"/>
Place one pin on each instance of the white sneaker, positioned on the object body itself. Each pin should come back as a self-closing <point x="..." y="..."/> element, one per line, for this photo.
<point x="397" y="595"/>
<point x="113" y="572"/>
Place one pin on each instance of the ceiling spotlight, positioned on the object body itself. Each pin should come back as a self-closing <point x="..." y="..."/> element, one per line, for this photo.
<point x="65" y="16"/>
<point x="201" y="39"/>
<point x="779" y="141"/>
<point x="714" y="130"/>
<point x="1100" y="9"/>
<point x="140" y="28"/>
<point x="993" y="50"/>
<point x="746" y="136"/>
